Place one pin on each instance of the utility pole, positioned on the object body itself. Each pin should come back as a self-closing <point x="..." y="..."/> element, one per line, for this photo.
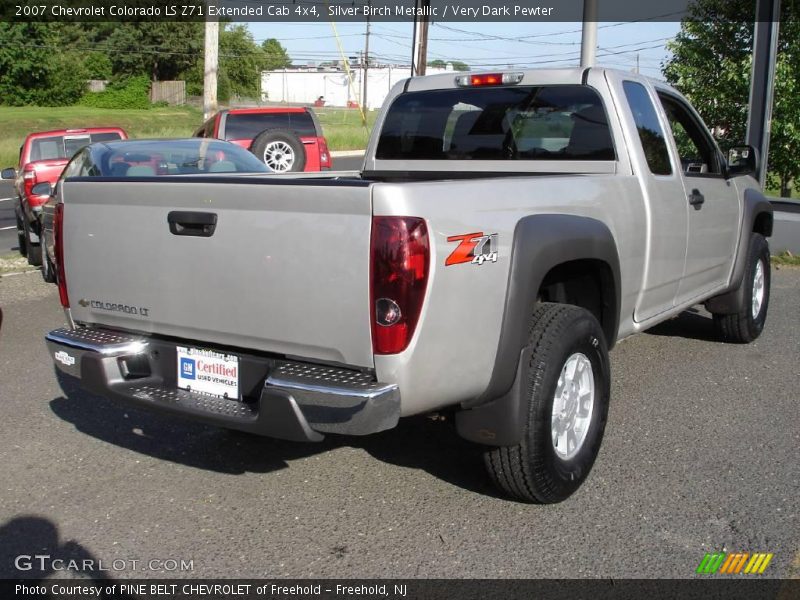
<point x="211" y="67"/>
<point x="589" y="34"/>
<point x="762" y="80"/>
<point x="419" y="59"/>
<point x="366" y="68"/>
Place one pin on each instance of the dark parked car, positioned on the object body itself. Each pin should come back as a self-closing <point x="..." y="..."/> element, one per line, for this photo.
<point x="138" y="159"/>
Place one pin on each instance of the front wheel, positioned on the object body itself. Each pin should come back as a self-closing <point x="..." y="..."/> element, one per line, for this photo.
<point x="567" y="394"/>
<point x="746" y="325"/>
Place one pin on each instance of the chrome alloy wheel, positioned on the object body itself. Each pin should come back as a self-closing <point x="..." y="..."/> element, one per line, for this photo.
<point x="279" y="156"/>
<point x="573" y="405"/>
<point x="758" y="289"/>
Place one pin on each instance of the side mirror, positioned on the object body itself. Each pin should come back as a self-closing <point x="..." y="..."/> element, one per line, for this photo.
<point x="9" y="173"/>
<point x="742" y="160"/>
<point x="42" y="189"/>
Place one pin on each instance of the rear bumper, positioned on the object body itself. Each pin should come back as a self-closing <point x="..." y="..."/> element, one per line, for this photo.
<point x="283" y="399"/>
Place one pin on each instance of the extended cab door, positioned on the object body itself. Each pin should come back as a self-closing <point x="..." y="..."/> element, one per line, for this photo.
<point x="665" y="228"/>
<point x="712" y="201"/>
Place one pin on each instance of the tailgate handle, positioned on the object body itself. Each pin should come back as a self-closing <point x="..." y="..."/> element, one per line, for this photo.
<point x="198" y="224"/>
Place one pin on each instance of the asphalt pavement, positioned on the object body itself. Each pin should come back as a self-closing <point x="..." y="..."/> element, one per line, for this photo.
<point x="8" y="223"/>
<point x="700" y="455"/>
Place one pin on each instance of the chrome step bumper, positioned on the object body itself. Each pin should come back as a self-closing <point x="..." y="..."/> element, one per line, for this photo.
<point x="283" y="399"/>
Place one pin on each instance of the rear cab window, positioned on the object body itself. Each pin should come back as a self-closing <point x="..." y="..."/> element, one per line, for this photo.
<point x="541" y="123"/>
<point x="244" y="126"/>
<point x="65" y="146"/>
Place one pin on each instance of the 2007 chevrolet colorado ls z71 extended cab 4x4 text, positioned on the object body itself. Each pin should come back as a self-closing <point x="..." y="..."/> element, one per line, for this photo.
<point x="505" y="230"/>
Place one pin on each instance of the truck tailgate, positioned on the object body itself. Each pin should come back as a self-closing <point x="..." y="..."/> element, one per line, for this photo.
<point x="286" y="269"/>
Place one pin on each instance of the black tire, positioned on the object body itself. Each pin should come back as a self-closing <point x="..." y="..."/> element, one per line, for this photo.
<point x="48" y="270"/>
<point x="32" y="251"/>
<point x="533" y="470"/>
<point x="744" y="327"/>
<point x="264" y="147"/>
<point x="21" y="241"/>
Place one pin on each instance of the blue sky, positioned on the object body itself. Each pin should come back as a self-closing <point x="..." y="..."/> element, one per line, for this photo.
<point x="481" y="45"/>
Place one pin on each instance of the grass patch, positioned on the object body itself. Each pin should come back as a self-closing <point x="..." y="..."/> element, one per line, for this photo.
<point x="14" y="263"/>
<point x="342" y="127"/>
<point x="786" y="259"/>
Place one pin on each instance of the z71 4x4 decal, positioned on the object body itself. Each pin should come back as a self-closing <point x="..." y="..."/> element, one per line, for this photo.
<point x="475" y="248"/>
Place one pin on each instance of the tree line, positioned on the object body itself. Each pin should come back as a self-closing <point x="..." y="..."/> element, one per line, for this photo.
<point x="48" y="64"/>
<point x="711" y="65"/>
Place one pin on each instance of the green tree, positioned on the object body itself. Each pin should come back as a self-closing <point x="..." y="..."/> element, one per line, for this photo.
<point x="275" y="55"/>
<point x="32" y="73"/>
<point x="159" y="50"/>
<point x="711" y="63"/>
<point x="98" y="65"/>
<point x="241" y="60"/>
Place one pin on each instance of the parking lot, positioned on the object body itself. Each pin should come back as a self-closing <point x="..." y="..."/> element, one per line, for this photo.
<point x="700" y="455"/>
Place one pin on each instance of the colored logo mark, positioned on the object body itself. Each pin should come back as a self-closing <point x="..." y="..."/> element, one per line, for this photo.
<point x="187" y="368"/>
<point x="732" y="563"/>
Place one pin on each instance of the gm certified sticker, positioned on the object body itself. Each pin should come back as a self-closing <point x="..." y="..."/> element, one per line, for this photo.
<point x="64" y="358"/>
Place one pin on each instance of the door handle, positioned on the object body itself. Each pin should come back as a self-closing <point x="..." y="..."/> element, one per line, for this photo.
<point x="696" y="199"/>
<point x="197" y="224"/>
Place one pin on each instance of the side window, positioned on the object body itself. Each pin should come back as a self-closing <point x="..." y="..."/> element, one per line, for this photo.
<point x="650" y="133"/>
<point x="697" y="152"/>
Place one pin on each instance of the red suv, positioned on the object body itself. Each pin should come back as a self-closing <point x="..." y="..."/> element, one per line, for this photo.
<point x="42" y="158"/>
<point x="285" y="138"/>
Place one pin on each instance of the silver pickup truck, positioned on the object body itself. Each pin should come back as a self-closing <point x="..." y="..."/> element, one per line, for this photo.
<point x="505" y="231"/>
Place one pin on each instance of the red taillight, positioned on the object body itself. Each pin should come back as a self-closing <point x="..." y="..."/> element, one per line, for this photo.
<point x="400" y="259"/>
<point x="324" y="154"/>
<point x="58" y="250"/>
<point x="29" y="180"/>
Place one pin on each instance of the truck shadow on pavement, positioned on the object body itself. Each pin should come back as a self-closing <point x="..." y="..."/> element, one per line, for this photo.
<point x="690" y="324"/>
<point x="417" y="442"/>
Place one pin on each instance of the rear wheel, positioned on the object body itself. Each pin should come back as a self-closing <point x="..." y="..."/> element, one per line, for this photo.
<point x="746" y="325"/>
<point x="280" y="149"/>
<point x="567" y="387"/>
<point x="32" y="251"/>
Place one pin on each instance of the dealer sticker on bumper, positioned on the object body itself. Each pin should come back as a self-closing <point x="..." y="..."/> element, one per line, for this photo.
<point x="208" y="372"/>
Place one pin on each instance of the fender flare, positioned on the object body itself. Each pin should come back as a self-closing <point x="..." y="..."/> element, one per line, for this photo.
<point x="732" y="301"/>
<point x="541" y="242"/>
